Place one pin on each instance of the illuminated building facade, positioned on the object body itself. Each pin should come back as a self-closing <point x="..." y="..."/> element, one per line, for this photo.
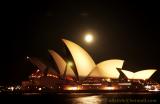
<point x="78" y="71"/>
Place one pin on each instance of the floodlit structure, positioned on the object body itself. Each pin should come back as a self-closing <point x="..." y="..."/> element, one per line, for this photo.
<point x="83" y="61"/>
<point x="107" y="69"/>
<point x="143" y="74"/>
<point x="81" y="65"/>
<point x="64" y="68"/>
<point x="78" y="71"/>
<point x="41" y="65"/>
<point x="86" y="67"/>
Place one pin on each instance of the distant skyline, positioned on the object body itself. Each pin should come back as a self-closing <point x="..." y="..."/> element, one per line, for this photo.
<point x="122" y="30"/>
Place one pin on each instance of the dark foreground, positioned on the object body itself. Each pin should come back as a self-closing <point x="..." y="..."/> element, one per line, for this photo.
<point x="83" y="98"/>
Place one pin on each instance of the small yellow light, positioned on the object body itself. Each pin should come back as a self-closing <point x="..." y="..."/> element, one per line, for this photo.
<point x="70" y="63"/>
<point x="108" y="80"/>
<point x="109" y="88"/>
<point x="39" y="89"/>
<point x="72" y="88"/>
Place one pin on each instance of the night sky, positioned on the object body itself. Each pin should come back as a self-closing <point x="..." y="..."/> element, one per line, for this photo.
<point x="123" y="30"/>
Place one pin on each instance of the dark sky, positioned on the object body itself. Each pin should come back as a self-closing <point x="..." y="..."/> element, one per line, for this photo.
<point x="124" y="30"/>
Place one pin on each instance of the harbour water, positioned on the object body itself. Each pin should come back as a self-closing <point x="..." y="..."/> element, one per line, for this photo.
<point x="90" y="98"/>
<point x="105" y="98"/>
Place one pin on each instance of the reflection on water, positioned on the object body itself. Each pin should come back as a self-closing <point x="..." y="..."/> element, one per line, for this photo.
<point x="87" y="100"/>
<point x="111" y="98"/>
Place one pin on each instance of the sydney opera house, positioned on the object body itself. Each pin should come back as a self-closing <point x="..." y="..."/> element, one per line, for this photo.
<point x="77" y="71"/>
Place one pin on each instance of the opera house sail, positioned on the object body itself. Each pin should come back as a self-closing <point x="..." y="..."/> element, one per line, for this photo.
<point x="62" y="65"/>
<point x="41" y="65"/>
<point x="83" y="61"/>
<point x="107" y="69"/>
<point x="143" y="74"/>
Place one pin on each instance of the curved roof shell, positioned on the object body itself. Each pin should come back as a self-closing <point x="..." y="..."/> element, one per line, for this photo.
<point x="61" y="64"/>
<point x="143" y="74"/>
<point x="107" y="69"/>
<point x="83" y="61"/>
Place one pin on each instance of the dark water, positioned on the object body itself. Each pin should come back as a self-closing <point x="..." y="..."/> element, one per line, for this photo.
<point x="89" y="98"/>
<point x="109" y="98"/>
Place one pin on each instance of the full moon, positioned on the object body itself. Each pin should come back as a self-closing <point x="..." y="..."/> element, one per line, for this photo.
<point x="88" y="38"/>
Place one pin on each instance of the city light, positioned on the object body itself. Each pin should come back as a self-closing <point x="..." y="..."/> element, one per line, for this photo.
<point x="39" y="89"/>
<point x="127" y="84"/>
<point x="108" y="88"/>
<point x="108" y="80"/>
<point x="72" y="88"/>
<point x="27" y="57"/>
<point x="154" y="90"/>
<point x="147" y="87"/>
<point x="11" y="88"/>
<point x="92" y="84"/>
